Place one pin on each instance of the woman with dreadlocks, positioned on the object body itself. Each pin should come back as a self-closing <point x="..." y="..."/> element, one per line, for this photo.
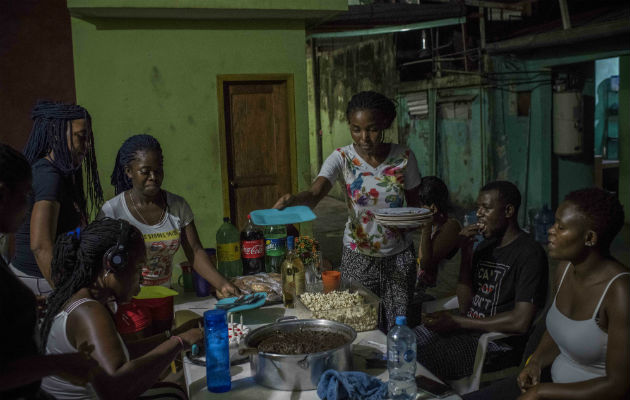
<point x="166" y="221"/>
<point x="375" y="174"/>
<point x="93" y="271"/>
<point x="61" y="142"/>
<point x="21" y="365"/>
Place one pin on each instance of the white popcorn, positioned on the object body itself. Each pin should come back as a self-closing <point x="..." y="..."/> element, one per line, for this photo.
<point x="345" y="307"/>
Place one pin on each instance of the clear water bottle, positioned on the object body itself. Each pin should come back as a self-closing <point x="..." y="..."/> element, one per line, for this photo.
<point x="217" y="351"/>
<point x="229" y="250"/>
<point x="275" y="247"/>
<point x="401" y="361"/>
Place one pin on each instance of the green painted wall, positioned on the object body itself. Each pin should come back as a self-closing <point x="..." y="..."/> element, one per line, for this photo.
<point x="159" y="77"/>
<point x="344" y="72"/>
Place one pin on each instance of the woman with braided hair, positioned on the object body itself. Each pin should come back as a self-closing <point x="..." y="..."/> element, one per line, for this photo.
<point x="94" y="270"/>
<point x="60" y="144"/>
<point x="21" y="365"/>
<point x="374" y="175"/>
<point x="166" y="222"/>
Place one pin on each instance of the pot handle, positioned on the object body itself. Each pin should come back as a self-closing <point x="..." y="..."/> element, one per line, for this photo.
<point x="304" y="363"/>
<point x="287" y="318"/>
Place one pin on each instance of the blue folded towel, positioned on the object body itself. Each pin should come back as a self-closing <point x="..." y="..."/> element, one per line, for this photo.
<point x="334" y="385"/>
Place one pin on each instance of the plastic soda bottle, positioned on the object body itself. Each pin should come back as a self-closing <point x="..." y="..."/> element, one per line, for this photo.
<point x="229" y="250"/>
<point x="217" y="351"/>
<point x="252" y="249"/>
<point x="275" y="247"/>
<point x="401" y="361"/>
<point x="293" y="277"/>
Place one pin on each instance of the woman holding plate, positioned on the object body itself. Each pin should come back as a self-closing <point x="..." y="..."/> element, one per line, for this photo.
<point x="375" y="175"/>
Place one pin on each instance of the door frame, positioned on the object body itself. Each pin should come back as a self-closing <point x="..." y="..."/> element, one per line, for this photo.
<point x="223" y="79"/>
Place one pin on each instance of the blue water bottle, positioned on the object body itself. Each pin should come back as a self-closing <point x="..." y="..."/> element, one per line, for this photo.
<point x="217" y="351"/>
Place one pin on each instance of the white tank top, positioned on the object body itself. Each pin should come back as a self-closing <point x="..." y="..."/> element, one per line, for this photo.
<point x="58" y="343"/>
<point x="583" y="344"/>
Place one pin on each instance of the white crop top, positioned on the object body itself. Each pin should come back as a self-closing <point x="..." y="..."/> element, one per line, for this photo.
<point x="582" y="344"/>
<point x="58" y="343"/>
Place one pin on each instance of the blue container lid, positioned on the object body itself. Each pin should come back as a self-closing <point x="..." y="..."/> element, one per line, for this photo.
<point x="213" y="317"/>
<point x="401" y="320"/>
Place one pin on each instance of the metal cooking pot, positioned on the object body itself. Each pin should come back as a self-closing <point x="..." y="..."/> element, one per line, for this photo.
<point x="300" y="371"/>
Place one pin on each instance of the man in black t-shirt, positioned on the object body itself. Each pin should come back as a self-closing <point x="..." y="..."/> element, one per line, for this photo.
<point x="501" y="291"/>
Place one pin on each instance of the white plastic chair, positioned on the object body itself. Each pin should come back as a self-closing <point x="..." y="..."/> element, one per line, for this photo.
<point x="469" y="383"/>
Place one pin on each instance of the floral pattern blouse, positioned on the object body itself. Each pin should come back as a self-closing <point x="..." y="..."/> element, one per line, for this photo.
<point x="370" y="188"/>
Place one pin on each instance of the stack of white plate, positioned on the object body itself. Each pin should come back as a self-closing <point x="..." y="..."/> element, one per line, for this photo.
<point x="403" y="217"/>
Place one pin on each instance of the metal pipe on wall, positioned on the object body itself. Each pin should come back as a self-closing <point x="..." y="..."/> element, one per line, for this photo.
<point x="316" y="98"/>
<point x="564" y="13"/>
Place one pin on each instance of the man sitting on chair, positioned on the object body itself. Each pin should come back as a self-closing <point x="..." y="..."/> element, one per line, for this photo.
<point x="499" y="291"/>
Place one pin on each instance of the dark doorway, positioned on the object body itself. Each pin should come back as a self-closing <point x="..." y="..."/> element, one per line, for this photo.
<point x="258" y="133"/>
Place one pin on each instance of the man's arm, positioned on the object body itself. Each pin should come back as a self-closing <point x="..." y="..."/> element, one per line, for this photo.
<point x="516" y="321"/>
<point x="464" y="284"/>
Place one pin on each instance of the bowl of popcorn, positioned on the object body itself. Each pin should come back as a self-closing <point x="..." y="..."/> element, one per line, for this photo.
<point x="352" y="304"/>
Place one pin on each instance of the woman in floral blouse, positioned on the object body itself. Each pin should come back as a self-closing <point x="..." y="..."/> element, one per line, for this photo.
<point x="375" y="175"/>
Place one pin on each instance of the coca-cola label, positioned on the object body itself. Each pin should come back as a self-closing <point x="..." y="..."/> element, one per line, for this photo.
<point x="253" y="248"/>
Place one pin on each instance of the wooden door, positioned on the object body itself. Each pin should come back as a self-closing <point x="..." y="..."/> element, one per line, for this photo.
<point x="258" y="132"/>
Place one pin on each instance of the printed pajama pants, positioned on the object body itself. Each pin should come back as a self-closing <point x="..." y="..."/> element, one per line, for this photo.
<point x="391" y="278"/>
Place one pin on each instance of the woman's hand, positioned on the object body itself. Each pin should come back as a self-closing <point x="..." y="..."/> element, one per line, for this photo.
<point x="191" y="336"/>
<point x="227" y="290"/>
<point x="529" y="376"/>
<point x="531" y="394"/>
<point x="284" y="201"/>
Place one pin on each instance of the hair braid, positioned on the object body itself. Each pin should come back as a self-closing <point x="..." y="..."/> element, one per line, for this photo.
<point x="433" y="190"/>
<point x="77" y="262"/>
<point x="127" y="154"/>
<point x="49" y="134"/>
<point x="373" y="101"/>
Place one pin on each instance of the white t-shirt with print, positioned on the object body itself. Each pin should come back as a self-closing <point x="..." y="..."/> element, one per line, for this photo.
<point x="162" y="240"/>
<point x="369" y="188"/>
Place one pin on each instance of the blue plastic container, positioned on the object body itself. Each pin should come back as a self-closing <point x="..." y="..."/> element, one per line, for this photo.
<point x="217" y="351"/>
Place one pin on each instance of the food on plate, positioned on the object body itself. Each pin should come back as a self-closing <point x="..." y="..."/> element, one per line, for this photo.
<point x="263" y="282"/>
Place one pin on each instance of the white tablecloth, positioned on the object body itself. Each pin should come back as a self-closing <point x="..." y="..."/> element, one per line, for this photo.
<point x="243" y="385"/>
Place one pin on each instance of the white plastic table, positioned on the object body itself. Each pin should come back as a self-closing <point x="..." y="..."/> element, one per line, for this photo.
<point x="243" y="384"/>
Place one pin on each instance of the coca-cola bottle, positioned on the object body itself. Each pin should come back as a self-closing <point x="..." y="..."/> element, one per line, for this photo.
<point x="252" y="249"/>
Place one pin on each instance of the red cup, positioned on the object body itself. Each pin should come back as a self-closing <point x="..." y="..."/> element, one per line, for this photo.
<point x="331" y="280"/>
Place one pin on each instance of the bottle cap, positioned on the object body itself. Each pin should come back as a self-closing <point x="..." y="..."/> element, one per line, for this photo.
<point x="401" y="320"/>
<point x="215" y="317"/>
<point x="226" y="219"/>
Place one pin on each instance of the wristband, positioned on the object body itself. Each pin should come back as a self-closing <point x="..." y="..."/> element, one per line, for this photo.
<point x="180" y="341"/>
